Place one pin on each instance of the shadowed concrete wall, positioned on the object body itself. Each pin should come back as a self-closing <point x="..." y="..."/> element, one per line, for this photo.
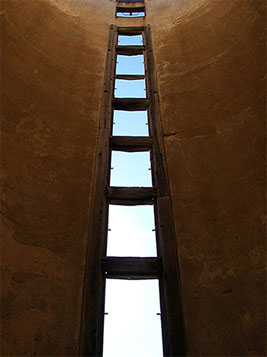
<point x="209" y="57"/>
<point x="53" y="78"/>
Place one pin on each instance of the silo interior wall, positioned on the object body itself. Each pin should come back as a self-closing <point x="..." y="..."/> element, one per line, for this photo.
<point x="209" y="57"/>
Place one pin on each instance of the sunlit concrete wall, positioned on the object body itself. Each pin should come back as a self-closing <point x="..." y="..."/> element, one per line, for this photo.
<point x="211" y="72"/>
<point x="209" y="56"/>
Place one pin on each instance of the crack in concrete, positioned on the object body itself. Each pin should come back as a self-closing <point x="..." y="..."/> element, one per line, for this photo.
<point x="170" y="134"/>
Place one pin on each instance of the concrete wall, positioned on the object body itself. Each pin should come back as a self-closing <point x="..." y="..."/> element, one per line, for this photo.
<point x="209" y="57"/>
<point x="211" y="73"/>
<point x="53" y="78"/>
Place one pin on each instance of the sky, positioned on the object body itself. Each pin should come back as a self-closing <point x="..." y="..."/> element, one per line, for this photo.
<point x="127" y="14"/>
<point x="131" y="231"/>
<point x="132" y="326"/>
<point x="130" y="123"/>
<point x="130" y="169"/>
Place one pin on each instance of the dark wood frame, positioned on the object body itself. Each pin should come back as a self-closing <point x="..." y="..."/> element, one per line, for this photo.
<point x="131" y="10"/>
<point x="165" y="266"/>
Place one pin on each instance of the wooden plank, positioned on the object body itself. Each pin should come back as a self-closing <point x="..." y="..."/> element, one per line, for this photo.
<point x="91" y="331"/>
<point x="130" y="50"/>
<point x="131" y="9"/>
<point x="131" y="267"/>
<point x="130" y="77"/>
<point x="106" y="113"/>
<point x="130" y="143"/>
<point x="131" y="31"/>
<point x="154" y="117"/>
<point x="92" y="314"/>
<point x="130" y="104"/>
<point x="131" y="195"/>
<point x="172" y="319"/>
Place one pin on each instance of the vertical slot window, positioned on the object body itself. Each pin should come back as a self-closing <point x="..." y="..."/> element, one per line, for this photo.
<point x="136" y="40"/>
<point x="131" y="231"/>
<point x="130" y="123"/>
<point x="130" y="89"/>
<point x="130" y="169"/>
<point x="130" y="64"/>
<point x="132" y="324"/>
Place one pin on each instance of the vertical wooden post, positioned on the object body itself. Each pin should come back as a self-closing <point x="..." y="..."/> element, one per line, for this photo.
<point x="171" y="307"/>
<point x="91" y="333"/>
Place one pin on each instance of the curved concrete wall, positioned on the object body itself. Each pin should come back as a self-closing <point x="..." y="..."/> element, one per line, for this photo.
<point x="209" y="56"/>
<point x="211" y="73"/>
<point x="53" y="78"/>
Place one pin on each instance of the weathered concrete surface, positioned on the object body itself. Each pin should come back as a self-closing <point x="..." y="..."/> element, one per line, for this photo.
<point x="209" y="57"/>
<point x="211" y="72"/>
<point x="52" y="72"/>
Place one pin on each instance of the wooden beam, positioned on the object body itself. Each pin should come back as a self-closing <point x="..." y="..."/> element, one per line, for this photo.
<point x="91" y="332"/>
<point x="131" y="195"/>
<point x="170" y="291"/>
<point x="155" y="120"/>
<point x="131" y="267"/>
<point x="130" y="77"/>
<point x="130" y="50"/>
<point x="130" y="143"/>
<point x="130" y="104"/>
<point x="131" y="31"/>
<point x="130" y="9"/>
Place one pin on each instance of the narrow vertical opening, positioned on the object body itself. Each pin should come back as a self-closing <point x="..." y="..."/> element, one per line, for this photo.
<point x="132" y="323"/>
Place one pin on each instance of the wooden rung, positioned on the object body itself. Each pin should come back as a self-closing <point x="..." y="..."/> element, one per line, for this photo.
<point x="130" y="143"/>
<point x="130" y="196"/>
<point x="130" y="104"/>
<point x="130" y="50"/>
<point x="130" y="31"/>
<point x="131" y="267"/>
<point x="129" y="77"/>
<point x="130" y="9"/>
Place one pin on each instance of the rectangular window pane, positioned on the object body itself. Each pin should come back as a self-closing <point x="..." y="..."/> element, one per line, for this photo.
<point x="130" y="64"/>
<point x="132" y="325"/>
<point x="130" y="89"/>
<point x="130" y="123"/>
<point x="131" y="231"/>
<point x="136" y="40"/>
<point x="130" y="169"/>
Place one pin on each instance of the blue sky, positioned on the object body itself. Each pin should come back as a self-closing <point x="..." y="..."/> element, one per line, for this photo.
<point x="130" y="123"/>
<point x="130" y="65"/>
<point x="127" y="14"/>
<point x="131" y="231"/>
<point x="130" y="169"/>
